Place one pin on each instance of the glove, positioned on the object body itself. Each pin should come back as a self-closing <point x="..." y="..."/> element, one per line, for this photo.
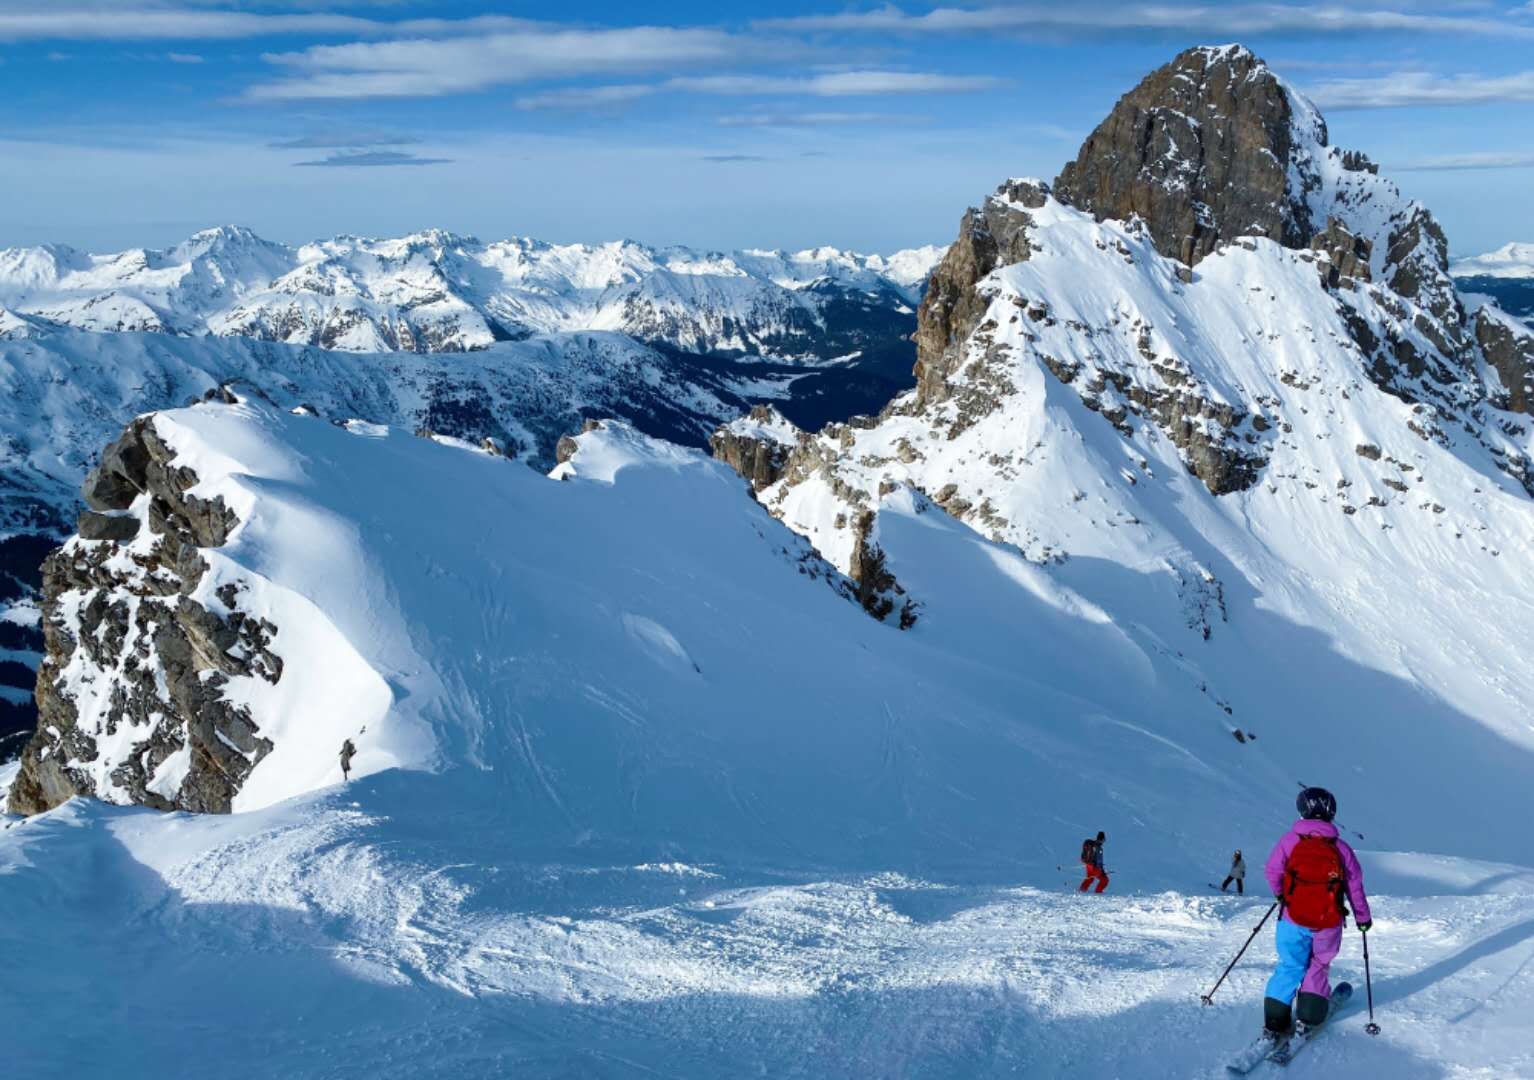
<point x="1364" y="926"/>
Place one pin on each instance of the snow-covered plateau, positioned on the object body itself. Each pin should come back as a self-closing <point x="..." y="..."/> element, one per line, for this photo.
<point x="777" y="762"/>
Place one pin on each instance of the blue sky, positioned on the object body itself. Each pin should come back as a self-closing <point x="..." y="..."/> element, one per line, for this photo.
<point x="722" y="124"/>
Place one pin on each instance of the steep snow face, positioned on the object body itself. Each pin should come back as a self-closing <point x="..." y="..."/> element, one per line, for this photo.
<point x="1217" y="453"/>
<point x="631" y="656"/>
<point x="437" y="292"/>
<point x="691" y="810"/>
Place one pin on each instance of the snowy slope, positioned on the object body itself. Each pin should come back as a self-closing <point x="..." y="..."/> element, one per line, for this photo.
<point x="622" y="863"/>
<point x="641" y="788"/>
<point x="649" y="729"/>
<point x="438" y="292"/>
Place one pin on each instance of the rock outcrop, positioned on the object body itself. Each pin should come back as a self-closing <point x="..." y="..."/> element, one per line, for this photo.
<point x="1508" y="346"/>
<point x="991" y="235"/>
<point x="1187" y="278"/>
<point x="1199" y="150"/>
<point x="137" y="653"/>
<point x="758" y="450"/>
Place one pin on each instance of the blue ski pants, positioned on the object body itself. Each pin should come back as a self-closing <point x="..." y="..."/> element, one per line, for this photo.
<point x="1304" y="960"/>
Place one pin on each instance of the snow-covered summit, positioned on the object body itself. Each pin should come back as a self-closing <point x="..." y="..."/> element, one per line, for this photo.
<point x="1187" y="403"/>
<point x="1514" y="260"/>
<point x="437" y="291"/>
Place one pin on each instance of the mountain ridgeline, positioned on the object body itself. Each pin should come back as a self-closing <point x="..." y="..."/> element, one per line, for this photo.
<point x="1205" y="413"/>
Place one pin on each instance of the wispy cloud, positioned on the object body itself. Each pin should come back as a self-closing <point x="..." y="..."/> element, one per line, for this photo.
<point x="367" y="159"/>
<point x="587" y="97"/>
<point x="84" y="23"/>
<point x="728" y="158"/>
<point x="183" y="58"/>
<point x="1491" y="159"/>
<point x="833" y="84"/>
<point x="1204" y="20"/>
<point x="350" y="139"/>
<point x="813" y="119"/>
<point x="839" y="83"/>
<point x="1407" y="88"/>
<point x="423" y="67"/>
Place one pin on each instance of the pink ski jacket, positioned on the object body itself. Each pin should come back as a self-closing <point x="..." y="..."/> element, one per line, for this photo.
<point x="1354" y="873"/>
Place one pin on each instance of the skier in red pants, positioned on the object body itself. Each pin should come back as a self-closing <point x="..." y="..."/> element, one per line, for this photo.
<point x="1092" y="860"/>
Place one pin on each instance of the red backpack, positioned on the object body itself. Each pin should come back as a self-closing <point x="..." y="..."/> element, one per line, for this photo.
<point x="1313" y="883"/>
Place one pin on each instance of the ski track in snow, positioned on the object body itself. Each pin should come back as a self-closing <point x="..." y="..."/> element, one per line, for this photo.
<point x="313" y="939"/>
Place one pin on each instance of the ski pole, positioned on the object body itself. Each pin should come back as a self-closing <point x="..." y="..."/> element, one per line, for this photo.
<point x="1371" y="1027"/>
<point x="1208" y="999"/>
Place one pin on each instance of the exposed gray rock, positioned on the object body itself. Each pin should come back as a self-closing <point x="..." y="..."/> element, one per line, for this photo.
<point x="97" y="526"/>
<point x="992" y="235"/>
<point x="1200" y="150"/>
<point x="761" y="461"/>
<point x="1509" y="349"/>
<point x="566" y="448"/>
<point x="1347" y="255"/>
<point x="169" y="656"/>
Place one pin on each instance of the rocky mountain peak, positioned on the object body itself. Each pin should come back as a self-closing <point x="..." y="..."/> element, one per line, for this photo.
<point x="1201" y="150"/>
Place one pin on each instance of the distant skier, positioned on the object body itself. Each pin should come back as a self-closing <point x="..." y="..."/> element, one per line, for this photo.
<point x="1092" y="861"/>
<point x="348" y="751"/>
<point x="1237" y="874"/>
<point x="1310" y="870"/>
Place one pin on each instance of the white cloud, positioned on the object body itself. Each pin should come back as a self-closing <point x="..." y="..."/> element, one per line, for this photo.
<point x="361" y="159"/>
<point x="813" y="119"/>
<point x="587" y="97"/>
<point x="839" y="83"/>
<point x="325" y="140"/>
<point x="423" y="67"/>
<point x="833" y="84"/>
<point x="183" y="58"/>
<point x="1491" y="159"/>
<point x="1205" y="20"/>
<point x="1407" y="88"/>
<point x="98" y="24"/>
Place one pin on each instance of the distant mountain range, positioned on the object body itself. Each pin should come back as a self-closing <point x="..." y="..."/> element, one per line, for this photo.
<point x="435" y="291"/>
<point x="1505" y="276"/>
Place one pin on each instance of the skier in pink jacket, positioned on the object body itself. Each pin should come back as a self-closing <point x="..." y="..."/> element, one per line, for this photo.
<point x="1310" y="870"/>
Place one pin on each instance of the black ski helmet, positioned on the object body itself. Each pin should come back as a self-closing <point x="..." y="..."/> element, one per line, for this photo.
<point x="1316" y="804"/>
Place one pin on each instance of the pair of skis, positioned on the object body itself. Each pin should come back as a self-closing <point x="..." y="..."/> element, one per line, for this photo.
<point x="1282" y="1050"/>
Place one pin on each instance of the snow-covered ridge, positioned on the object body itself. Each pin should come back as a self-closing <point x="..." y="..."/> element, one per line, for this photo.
<point x="435" y="291"/>
<point x="68" y="392"/>
<point x="1514" y="260"/>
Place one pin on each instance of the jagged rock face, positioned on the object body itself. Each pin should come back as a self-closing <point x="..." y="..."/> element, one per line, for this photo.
<point x="995" y="234"/>
<point x="770" y="453"/>
<point x="1509" y="348"/>
<point x="761" y="460"/>
<point x="1317" y="285"/>
<point x="131" y="656"/>
<point x="1347" y="255"/>
<point x="1200" y="150"/>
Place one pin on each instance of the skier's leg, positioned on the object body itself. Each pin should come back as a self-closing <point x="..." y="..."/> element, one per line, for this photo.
<point x="1086" y="881"/>
<point x="1316" y="989"/>
<point x="1240" y="886"/>
<point x="1102" y="879"/>
<point x="1225" y="884"/>
<point x="1293" y="945"/>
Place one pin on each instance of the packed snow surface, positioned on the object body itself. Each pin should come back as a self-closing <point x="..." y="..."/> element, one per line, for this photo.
<point x="672" y="804"/>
